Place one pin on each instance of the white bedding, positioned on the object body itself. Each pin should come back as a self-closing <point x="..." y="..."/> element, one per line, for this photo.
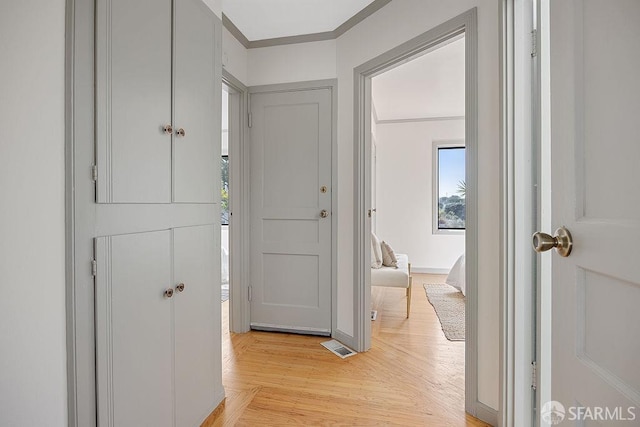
<point x="456" y="275"/>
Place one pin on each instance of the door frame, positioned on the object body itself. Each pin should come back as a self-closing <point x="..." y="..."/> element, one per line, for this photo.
<point x="332" y="85"/>
<point x="466" y="24"/>
<point x="239" y="204"/>
<point x="520" y="112"/>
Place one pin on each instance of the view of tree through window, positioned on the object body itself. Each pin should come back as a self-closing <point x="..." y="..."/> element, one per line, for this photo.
<point x="451" y="188"/>
<point x="224" y="191"/>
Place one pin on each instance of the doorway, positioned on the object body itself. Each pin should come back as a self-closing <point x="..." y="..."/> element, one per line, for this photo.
<point x="465" y="24"/>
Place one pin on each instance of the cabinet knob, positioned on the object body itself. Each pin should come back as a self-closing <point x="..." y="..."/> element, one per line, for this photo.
<point x="167" y="129"/>
<point x="180" y="287"/>
<point x="180" y="132"/>
<point x="168" y="293"/>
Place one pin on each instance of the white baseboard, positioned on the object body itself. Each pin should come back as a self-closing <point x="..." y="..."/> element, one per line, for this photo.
<point x="429" y="270"/>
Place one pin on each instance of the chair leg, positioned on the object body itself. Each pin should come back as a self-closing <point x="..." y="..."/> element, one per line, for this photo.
<point x="409" y="296"/>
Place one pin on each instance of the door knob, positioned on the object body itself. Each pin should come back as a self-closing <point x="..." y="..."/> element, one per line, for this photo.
<point x="324" y="213"/>
<point x="562" y="241"/>
<point x="167" y="129"/>
<point x="168" y="293"/>
<point x="180" y="287"/>
<point x="180" y="132"/>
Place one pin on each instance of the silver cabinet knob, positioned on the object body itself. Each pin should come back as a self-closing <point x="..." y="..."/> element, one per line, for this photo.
<point x="180" y="132"/>
<point x="324" y="213"/>
<point x="562" y="241"/>
<point x="167" y="129"/>
<point x="180" y="287"/>
<point x="168" y="293"/>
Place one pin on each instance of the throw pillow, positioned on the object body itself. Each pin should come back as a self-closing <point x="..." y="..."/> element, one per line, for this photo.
<point x="376" y="252"/>
<point x="388" y="255"/>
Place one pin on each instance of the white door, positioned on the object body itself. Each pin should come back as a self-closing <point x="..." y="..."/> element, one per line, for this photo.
<point x="134" y="344"/>
<point x="291" y="139"/>
<point x="196" y="308"/>
<point x="595" y="171"/>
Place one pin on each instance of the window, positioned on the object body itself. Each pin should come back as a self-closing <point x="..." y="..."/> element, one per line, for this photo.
<point x="224" y="191"/>
<point x="449" y="186"/>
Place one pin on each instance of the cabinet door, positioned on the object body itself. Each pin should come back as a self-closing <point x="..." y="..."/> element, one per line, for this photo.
<point x="197" y="81"/>
<point x="133" y="101"/>
<point x="197" y="324"/>
<point x="134" y="346"/>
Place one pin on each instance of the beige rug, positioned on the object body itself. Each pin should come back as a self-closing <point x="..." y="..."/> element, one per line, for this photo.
<point x="448" y="302"/>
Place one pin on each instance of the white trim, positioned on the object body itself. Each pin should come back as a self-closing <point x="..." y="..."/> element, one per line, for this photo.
<point x="417" y="119"/>
<point x="239" y="221"/>
<point x="435" y="181"/>
<point x="430" y="270"/>
<point x="517" y="194"/>
<point x="466" y="24"/>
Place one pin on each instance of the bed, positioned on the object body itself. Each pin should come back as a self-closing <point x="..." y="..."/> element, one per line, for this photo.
<point x="456" y="277"/>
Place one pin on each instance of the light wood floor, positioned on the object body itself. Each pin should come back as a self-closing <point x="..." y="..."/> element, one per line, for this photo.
<point x="412" y="376"/>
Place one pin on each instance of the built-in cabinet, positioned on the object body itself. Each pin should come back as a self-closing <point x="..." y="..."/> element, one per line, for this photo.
<point x="154" y="335"/>
<point x="155" y="216"/>
<point x="155" y="94"/>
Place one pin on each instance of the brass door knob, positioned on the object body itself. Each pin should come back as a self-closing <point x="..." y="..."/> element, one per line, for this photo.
<point x="324" y="213"/>
<point x="168" y="293"/>
<point x="180" y="132"/>
<point x="562" y="241"/>
<point x="167" y="129"/>
<point x="180" y="287"/>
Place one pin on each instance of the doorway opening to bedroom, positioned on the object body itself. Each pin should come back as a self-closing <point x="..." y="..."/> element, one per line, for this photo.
<point x="418" y="196"/>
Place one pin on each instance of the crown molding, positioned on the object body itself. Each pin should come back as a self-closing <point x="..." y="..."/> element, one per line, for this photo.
<point x="304" y="38"/>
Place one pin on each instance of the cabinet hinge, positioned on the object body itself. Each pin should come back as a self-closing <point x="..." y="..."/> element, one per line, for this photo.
<point x="534" y="43"/>
<point x="249" y="293"/>
<point x="94" y="172"/>
<point x="94" y="268"/>
<point x="534" y="375"/>
<point x="250" y="118"/>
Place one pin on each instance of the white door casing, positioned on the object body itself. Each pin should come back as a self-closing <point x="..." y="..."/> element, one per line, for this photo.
<point x="595" y="103"/>
<point x="291" y="142"/>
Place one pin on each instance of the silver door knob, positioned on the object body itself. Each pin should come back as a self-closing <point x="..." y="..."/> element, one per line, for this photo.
<point x="324" y="213"/>
<point x="180" y="132"/>
<point x="167" y="129"/>
<point x="168" y="293"/>
<point x="180" y="287"/>
<point x="562" y="241"/>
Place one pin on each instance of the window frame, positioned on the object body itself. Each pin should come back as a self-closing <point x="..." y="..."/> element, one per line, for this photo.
<point x="436" y="146"/>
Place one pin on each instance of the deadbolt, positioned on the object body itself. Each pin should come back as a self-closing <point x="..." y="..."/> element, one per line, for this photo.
<point x="562" y="241"/>
<point x="324" y="213"/>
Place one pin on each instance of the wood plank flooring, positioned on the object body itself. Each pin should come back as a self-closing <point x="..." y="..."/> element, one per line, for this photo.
<point x="412" y="376"/>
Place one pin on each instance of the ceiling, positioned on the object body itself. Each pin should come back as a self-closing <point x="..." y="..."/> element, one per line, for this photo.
<point x="268" y="19"/>
<point x="426" y="87"/>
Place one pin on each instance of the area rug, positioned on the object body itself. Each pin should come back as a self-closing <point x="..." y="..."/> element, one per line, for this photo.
<point x="448" y="303"/>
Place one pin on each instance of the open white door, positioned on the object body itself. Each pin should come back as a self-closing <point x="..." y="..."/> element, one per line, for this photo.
<point x="595" y="171"/>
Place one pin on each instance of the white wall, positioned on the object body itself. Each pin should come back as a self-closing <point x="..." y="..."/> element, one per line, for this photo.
<point x="32" y="307"/>
<point x="234" y="56"/>
<point x="392" y="25"/>
<point x="405" y="192"/>
<point x="292" y="63"/>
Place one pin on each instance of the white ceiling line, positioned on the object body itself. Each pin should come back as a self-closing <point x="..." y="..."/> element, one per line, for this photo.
<point x="304" y="38"/>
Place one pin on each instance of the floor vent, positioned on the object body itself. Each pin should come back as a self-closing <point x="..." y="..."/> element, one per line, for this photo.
<point x="374" y="314"/>
<point x="338" y="349"/>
